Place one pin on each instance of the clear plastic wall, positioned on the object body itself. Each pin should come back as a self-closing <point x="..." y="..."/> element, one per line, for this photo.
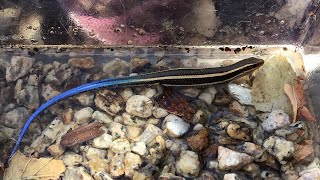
<point x="152" y="22"/>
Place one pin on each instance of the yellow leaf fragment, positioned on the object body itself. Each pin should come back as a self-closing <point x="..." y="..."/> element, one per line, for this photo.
<point x="22" y="167"/>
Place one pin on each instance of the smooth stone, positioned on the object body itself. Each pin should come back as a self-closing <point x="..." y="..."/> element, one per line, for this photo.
<point x="175" y="126"/>
<point x="160" y="112"/>
<point x="242" y="94"/>
<point x="126" y="93"/>
<point x="231" y="176"/>
<point x="83" y="115"/>
<point x="139" y="148"/>
<point x="102" y="117"/>
<point x="133" y="132"/>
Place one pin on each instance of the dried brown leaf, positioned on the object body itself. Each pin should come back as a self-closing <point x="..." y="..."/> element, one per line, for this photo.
<point x="22" y="167"/>
<point x="302" y="150"/>
<point x="299" y="93"/>
<point x="304" y="111"/>
<point x="298" y="100"/>
<point x="288" y="89"/>
<point x="81" y="134"/>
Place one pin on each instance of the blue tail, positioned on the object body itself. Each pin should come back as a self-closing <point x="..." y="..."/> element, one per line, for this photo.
<point x="66" y="94"/>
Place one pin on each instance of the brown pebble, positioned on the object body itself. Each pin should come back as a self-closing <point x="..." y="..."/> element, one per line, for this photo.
<point x="84" y="63"/>
<point x="236" y="132"/>
<point x="239" y="110"/>
<point x="221" y="99"/>
<point x="55" y="150"/>
<point x="138" y="64"/>
<point x="199" y="141"/>
<point x="211" y="151"/>
<point x="67" y="116"/>
<point x="226" y="140"/>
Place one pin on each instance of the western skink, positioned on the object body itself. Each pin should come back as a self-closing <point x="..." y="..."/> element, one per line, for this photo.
<point x="173" y="77"/>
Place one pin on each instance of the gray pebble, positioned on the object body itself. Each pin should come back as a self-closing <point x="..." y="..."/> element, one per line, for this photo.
<point x="19" y="67"/>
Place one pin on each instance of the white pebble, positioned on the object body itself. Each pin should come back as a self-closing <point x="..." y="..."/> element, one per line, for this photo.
<point x="103" y="141"/>
<point x="118" y="119"/>
<point x="83" y="115"/>
<point x="72" y="159"/>
<point x="176" y="145"/>
<point x="148" y="92"/>
<point x="117" y="130"/>
<point x="199" y="117"/>
<point x="243" y="95"/>
<point x="149" y="134"/>
<point x="132" y="121"/>
<point x="232" y="160"/>
<point x="140" y="106"/>
<point x="117" y="165"/>
<point x="188" y="164"/>
<point x="276" y="120"/>
<point x="198" y="127"/>
<point x="308" y="174"/>
<point x="213" y="165"/>
<point x="280" y="148"/>
<point x="208" y="95"/>
<point x="160" y="112"/>
<point x="126" y="93"/>
<point x="76" y="173"/>
<point x="175" y="126"/>
<point x="92" y="153"/>
<point x="139" y="148"/>
<point x="102" y="117"/>
<point x="121" y="145"/>
<point x="191" y="92"/>
<point x="231" y="176"/>
<point x="85" y="99"/>
<point x="131" y="163"/>
<point x="133" y="132"/>
<point x="153" y="121"/>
